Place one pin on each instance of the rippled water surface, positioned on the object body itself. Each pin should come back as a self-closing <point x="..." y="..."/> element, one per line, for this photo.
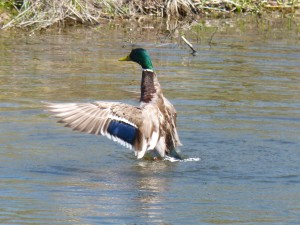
<point x="238" y="103"/>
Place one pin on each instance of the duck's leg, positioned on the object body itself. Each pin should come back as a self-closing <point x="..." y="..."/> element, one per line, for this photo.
<point x="155" y="155"/>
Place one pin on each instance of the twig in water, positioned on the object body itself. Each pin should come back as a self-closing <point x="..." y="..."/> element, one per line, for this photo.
<point x="189" y="44"/>
<point x="212" y="36"/>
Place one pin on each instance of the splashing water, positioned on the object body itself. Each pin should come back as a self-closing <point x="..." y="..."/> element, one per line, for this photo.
<point x="172" y="159"/>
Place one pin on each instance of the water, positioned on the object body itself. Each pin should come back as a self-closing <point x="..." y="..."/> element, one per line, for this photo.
<point x="238" y="104"/>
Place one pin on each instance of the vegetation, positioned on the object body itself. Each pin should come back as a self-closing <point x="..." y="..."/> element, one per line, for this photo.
<point x="38" y="14"/>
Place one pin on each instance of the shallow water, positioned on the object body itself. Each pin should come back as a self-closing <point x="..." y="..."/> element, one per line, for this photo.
<point x="238" y="103"/>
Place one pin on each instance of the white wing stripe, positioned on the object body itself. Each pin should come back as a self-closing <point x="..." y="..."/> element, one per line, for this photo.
<point x="113" y="117"/>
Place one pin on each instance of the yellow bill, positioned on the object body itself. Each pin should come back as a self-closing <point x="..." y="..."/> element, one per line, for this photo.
<point x="126" y="58"/>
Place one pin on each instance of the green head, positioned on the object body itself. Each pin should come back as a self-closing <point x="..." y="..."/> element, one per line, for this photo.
<point x="140" y="56"/>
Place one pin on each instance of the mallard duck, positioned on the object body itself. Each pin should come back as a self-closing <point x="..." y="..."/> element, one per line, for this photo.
<point x="151" y="126"/>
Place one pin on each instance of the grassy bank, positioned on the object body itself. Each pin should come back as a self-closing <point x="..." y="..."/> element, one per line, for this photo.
<point x="38" y="14"/>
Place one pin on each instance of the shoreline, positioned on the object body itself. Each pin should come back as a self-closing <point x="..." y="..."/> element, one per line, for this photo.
<point x="38" y="15"/>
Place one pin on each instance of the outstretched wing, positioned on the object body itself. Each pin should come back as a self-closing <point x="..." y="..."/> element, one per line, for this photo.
<point x="117" y="121"/>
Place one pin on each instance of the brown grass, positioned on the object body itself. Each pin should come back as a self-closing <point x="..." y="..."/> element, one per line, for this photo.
<point x="39" y="14"/>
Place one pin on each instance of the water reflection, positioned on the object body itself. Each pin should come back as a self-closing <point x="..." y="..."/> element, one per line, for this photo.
<point x="111" y="194"/>
<point x="151" y="187"/>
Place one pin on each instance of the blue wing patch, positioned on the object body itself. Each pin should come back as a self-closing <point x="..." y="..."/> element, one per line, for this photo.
<point x="122" y="130"/>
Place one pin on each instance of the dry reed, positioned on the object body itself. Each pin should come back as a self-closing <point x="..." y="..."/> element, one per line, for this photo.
<point x="38" y="14"/>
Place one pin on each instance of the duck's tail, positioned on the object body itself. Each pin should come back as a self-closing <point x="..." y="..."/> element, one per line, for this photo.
<point x="174" y="154"/>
